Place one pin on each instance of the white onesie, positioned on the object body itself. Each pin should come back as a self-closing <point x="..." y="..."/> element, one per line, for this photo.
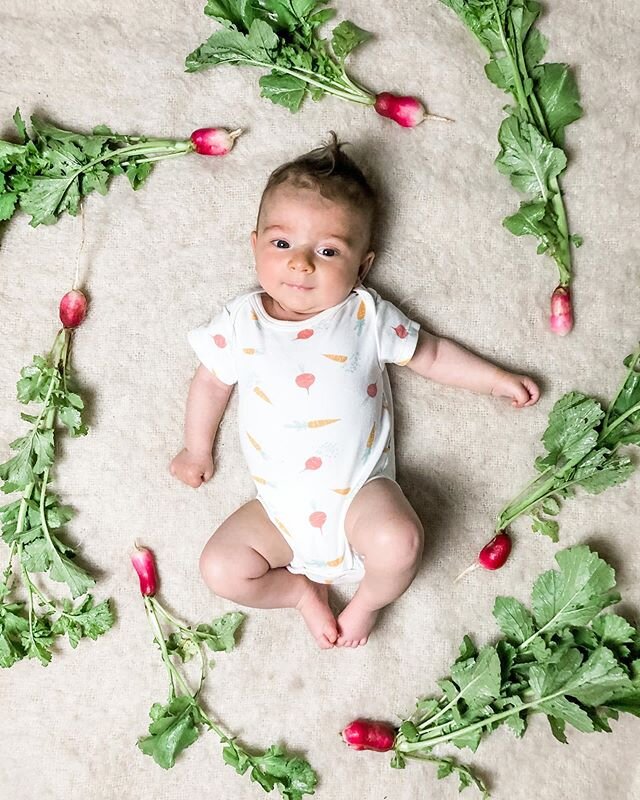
<point x="315" y="413"/>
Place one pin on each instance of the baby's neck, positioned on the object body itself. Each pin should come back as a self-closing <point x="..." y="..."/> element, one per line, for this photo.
<point x="275" y="310"/>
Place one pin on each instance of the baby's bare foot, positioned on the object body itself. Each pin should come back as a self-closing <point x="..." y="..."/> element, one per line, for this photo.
<point x="355" y="624"/>
<point x="314" y="607"/>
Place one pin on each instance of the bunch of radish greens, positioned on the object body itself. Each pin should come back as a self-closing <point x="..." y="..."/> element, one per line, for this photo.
<point x="32" y="524"/>
<point x="545" y="100"/>
<point x="282" y="37"/>
<point x="583" y="444"/>
<point x="564" y="659"/>
<point x="51" y="170"/>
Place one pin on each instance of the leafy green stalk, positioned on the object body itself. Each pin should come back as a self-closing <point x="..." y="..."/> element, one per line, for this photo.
<point x="583" y="444"/>
<point x="281" y="36"/>
<point x="564" y="658"/>
<point x="50" y="171"/>
<point x="31" y="525"/>
<point x="176" y="725"/>
<point x="532" y="136"/>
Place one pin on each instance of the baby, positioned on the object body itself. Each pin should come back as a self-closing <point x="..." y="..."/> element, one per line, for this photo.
<point x="308" y="351"/>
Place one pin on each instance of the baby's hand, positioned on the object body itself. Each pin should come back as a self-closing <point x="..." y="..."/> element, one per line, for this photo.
<point x="194" y="470"/>
<point x="521" y="390"/>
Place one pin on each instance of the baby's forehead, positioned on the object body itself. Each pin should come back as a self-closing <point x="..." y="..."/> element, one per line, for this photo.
<point x="288" y="201"/>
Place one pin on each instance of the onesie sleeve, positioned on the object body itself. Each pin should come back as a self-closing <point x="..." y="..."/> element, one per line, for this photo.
<point x="397" y="335"/>
<point x="213" y="344"/>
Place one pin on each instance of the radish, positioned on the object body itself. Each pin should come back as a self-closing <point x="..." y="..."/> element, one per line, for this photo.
<point x="214" y="141"/>
<point x="317" y="519"/>
<point x="306" y="333"/>
<point x="145" y="566"/>
<point x="364" y="735"/>
<point x="492" y="556"/>
<point x="73" y="308"/>
<point x="561" y="319"/>
<point x="372" y="389"/>
<point x="305" y="380"/>
<point x="403" y="109"/>
<point x="315" y="462"/>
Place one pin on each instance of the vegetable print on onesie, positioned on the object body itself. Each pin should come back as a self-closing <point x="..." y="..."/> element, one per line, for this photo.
<point x="315" y="413"/>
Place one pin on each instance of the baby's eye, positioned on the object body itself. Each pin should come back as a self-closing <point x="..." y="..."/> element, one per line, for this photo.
<point x="280" y="243"/>
<point x="329" y="252"/>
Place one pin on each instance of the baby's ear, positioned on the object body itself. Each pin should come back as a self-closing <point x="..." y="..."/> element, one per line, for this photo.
<point x="365" y="266"/>
<point x="254" y="236"/>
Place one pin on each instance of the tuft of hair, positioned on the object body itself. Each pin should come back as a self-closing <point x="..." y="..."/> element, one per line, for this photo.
<point x="330" y="171"/>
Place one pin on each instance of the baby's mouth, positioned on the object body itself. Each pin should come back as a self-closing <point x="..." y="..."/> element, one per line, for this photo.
<point x="300" y="287"/>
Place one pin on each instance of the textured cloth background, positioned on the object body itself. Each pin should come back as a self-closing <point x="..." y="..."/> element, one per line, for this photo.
<point x="157" y="263"/>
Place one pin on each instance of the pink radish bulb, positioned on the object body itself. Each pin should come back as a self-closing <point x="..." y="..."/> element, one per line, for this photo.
<point x="561" y="319"/>
<point x="405" y="110"/>
<point x="317" y="519"/>
<point x="214" y="141"/>
<point x="364" y="735"/>
<point x="492" y="556"/>
<point x="73" y="308"/>
<point x="144" y="564"/>
<point x="305" y="380"/>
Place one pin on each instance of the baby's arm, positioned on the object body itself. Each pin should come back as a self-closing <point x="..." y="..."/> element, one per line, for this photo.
<point x="444" y="361"/>
<point x="207" y="400"/>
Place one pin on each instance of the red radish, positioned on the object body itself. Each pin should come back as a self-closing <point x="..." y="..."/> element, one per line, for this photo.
<point x="73" y="308"/>
<point x="305" y="380"/>
<point x="364" y="735"/>
<point x="220" y="340"/>
<point x="406" y="111"/>
<point x="317" y="519"/>
<point x="306" y="333"/>
<point x="372" y="389"/>
<point x="561" y="319"/>
<point x="492" y="556"/>
<point x="313" y="463"/>
<point x="145" y="566"/>
<point x="401" y="331"/>
<point x="214" y="141"/>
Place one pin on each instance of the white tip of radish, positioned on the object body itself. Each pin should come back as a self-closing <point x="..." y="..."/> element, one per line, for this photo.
<point x="467" y="571"/>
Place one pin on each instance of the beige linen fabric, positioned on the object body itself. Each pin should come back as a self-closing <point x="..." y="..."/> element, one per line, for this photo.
<point x="158" y="262"/>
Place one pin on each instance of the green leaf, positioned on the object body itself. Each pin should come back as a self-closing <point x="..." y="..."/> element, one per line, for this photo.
<point x="66" y="571"/>
<point x="346" y="37"/>
<point x="528" y="220"/>
<point x="8" y="202"/>
<point x="527" y="157"/>
<point x="233" y="47"/>
<point x="221" y="634"/>
<point x="547" y="527"/>
<point x="515" y="621"/>
<point x="284" y="90"/>
<point x="174" y="728"/>
<point x="88" y="620"/>
<point x="137" y="173"/>
<point x="238" y="14"/>
<point x="293" y="776"/>
<point x="478" y="679"/>
<point x="612" y="629"/>
<point x="575" y="594"/>
<point x="43" y="199"/>
<point x="557" y="91"/>
<point x="19" y="123"/>
<point x="571" y="432"/>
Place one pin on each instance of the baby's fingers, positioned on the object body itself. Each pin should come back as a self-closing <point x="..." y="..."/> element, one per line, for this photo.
<point x="534" y="391"/>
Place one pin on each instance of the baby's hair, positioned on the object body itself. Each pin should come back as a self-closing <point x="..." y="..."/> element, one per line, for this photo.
<point x="330" y="171"/>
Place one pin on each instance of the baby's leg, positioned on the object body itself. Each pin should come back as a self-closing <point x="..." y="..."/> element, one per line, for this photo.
<point x="244" y="561"/>
<point x="382" y="526"/>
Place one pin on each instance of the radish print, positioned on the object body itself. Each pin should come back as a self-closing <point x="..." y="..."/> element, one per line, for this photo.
<point x="318" y="519"/>
<point x="220" y="340"/>
<point x="401" y="331"/>
<point x="372" y="389"/>
<point x="305" y="380"/>
<point x="306" y="333"/>
<point x="315" y="462"/>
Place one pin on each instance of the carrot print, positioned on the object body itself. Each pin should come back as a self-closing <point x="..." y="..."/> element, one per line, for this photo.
<point x="372" y="437"/>
<point x="262" y="481"/>
<point x="401" y="331"/>
<point x="257" y="390"/>
<point x="250" y="351"/>
<point x="256" y="445"/>
<point x="335" y="357"/>
<point x="336" y="562"/>
<point x="362" y="312"/>
<point x="312" y="463"/>
<point x="305" y="380"/>
<point x="253" y="316"/>
<point x="317" y="519"/>
<point x="312" y="423"/>
<point x="342" y="491"/>
<point x="220" y="340"/>
<point x="403" y="363"/>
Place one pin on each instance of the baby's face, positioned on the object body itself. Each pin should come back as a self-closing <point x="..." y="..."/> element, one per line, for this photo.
<point x="310" y="251"/>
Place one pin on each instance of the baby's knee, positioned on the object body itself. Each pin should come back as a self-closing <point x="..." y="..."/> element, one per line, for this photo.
<point x="216" y="571"/>
<point x="398" y="545"/>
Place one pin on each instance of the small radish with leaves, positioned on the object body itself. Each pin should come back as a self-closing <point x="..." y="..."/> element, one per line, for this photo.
<point x="362" y="734"/>
<point x="177" y="724"/>
<point x="283" y="39"/>
<point x="492" y="556"/>
<point x="50" y="170"/>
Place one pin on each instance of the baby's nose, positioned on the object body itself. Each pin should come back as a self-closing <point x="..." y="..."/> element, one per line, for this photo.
<point x="301" y="262"/>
